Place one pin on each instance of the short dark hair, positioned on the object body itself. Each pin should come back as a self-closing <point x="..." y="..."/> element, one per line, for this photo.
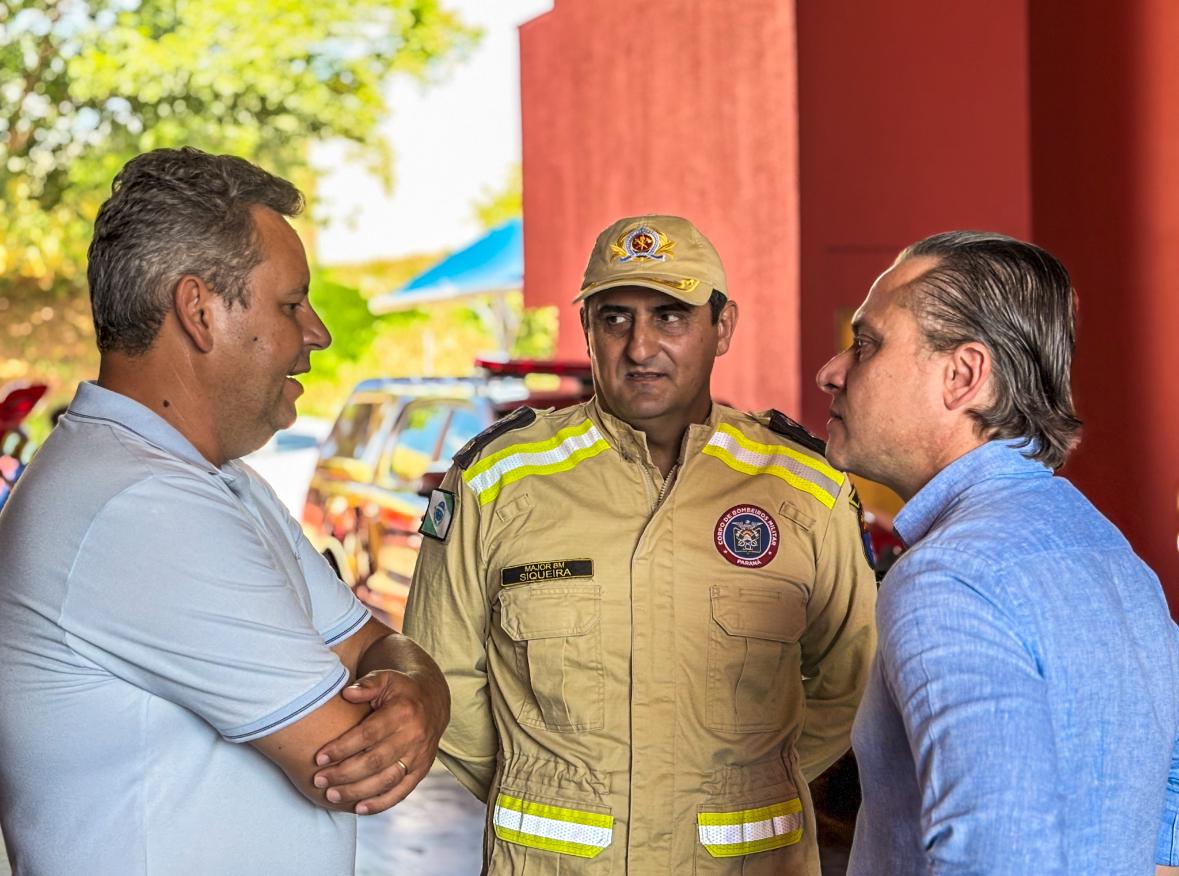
<point x="174" y="212"/>
<point x="1018" y="300"/>
<point x="716" y="303"/>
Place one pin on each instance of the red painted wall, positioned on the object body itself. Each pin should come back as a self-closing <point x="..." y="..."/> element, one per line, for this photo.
<point x="914" y="120"/>
<point x="1055" y="120"/>
<point x="1105" y="161"/>
<point x="671" y="106"/>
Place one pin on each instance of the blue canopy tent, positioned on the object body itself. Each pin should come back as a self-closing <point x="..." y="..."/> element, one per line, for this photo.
<point x="492" y="264"/>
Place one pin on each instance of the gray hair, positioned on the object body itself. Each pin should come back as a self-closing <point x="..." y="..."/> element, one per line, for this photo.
<point x="174" y="212"/>
<point x="1018" y="300"/>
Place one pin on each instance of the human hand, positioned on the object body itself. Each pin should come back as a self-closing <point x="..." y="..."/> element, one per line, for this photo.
<point x="377" y="763"/>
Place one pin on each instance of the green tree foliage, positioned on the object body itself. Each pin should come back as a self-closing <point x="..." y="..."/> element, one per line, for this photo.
<point x="86" y="84"/>
<point x="499" y="205"/>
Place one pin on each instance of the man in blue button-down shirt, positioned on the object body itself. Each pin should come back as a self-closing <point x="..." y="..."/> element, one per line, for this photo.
<point x="1022" y="713"/>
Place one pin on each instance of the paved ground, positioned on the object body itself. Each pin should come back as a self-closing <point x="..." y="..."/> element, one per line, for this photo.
<point x="437" y="831"/>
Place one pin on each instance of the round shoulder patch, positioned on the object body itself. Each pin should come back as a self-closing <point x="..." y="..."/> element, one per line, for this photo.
<point x="747" y="536"/>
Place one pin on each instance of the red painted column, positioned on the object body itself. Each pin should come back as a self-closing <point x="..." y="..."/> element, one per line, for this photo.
<point x="1105" y="159"/>
<point x="914" y="120"/>
<point x="670" y="106"/>
<point x="811" y="149"/>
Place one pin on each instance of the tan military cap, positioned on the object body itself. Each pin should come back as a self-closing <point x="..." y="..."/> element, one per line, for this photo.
<point x="664" y="253"/>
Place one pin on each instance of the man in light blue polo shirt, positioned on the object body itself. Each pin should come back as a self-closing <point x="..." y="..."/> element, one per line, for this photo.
<point x="1022" y="713"/>
<point x="158" y="606"/>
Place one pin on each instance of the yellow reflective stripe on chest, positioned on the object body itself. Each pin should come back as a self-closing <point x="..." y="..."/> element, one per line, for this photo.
<point x="562" y="452"/>
<point x="793" y="466"/>
<point x="553" y="828"/>
<point x="729" y="834"/>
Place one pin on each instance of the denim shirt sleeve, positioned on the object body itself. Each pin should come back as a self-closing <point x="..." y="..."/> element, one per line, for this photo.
<point x="975" y="709"/>
<point x="1167" y="852"/>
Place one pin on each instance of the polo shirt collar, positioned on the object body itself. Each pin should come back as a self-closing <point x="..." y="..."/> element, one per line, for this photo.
<point x="96" y="402"/>
<point x="995" y="459"/>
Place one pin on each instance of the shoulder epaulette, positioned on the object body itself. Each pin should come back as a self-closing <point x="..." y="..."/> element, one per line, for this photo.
<point x="517" y="419"/>
<point x="796" y="432"/>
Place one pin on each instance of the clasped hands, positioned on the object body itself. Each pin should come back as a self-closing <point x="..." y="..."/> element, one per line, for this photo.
<point x="379" y="761"/>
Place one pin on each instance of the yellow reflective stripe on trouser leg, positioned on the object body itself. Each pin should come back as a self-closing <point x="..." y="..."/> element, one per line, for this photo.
<point x="728" y="834"/>
<point x="553" y="828"/>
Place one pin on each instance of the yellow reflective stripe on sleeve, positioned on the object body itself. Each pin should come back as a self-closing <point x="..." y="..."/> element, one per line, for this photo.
<point x="796" y="468"/>
<point x="562" y="452"/>
<point x="553" y="828"/>
<point x="729" y="834"/>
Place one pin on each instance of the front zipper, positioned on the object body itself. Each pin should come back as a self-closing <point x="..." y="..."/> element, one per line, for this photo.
<point x="666" y="486"/>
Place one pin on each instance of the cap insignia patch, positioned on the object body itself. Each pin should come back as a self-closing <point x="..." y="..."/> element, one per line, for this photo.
<point x="643" y="242"/>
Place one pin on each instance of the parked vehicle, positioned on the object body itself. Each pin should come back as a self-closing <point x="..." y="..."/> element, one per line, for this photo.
<point x="391" y="445"/>
<point x="16" y="402"/>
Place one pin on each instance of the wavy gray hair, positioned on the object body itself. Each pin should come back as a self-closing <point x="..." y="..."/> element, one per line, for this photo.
<point x="1018" y="300"/>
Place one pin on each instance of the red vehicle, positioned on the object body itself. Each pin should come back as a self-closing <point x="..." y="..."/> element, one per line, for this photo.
<point x="391" y="445"/>
<point x="16" y="403"/>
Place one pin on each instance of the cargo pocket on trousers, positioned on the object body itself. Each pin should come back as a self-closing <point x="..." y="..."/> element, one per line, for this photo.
<point x="557" y="633"/>
<point x="753" y="655"/>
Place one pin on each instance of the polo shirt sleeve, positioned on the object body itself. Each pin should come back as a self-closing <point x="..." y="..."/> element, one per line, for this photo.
<point x="335" y="610"/>
<point x="174" y="591"/>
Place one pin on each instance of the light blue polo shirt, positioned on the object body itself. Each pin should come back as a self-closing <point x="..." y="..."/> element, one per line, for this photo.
<point x="154" y="612"/>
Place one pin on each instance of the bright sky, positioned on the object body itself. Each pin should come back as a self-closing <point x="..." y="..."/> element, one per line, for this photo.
<point x="452" y="143"/>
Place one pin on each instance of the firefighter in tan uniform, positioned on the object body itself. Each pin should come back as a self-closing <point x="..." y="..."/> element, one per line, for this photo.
<point x="654" y="612"/>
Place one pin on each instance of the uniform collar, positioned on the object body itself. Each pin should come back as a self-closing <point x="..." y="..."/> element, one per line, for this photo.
<point x="975" y="471"/>
<point x="97" y="403"/>
<point x="631" y="442"/>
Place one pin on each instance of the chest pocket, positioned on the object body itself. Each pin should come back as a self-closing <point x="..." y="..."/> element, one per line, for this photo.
<point x="557" y="636"/>
<point x="754" y="660"/>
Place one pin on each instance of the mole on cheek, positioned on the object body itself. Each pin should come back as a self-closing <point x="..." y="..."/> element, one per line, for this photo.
<point x="167" y="403"/>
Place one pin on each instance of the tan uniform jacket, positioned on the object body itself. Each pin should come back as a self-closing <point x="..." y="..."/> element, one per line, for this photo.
<point x="646" y="672"/>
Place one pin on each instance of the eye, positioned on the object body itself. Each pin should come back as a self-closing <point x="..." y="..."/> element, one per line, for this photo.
<point x="860" y="346"/>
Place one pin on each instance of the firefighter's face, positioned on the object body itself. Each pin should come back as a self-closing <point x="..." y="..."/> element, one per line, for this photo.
<point x="652" y="355"/>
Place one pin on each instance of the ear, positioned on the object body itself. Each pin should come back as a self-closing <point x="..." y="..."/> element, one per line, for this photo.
<point x="584" y="314"/>
<point x="192" y="302"/>
<point x="725" y="326"/>
<point x="967" y="375"/>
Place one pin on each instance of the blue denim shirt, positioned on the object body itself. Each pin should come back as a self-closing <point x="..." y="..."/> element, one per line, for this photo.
<point x="1022" y="713"/>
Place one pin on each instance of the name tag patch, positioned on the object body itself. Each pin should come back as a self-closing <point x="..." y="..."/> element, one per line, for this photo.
<point x="547" y="570"/>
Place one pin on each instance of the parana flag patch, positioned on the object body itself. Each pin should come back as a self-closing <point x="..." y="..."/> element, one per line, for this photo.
<point x="439" y="513"/>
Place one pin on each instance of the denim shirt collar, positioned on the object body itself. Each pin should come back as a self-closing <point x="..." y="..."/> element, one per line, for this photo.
<point x="97" y="403"/>
<point x="995" y="459"/>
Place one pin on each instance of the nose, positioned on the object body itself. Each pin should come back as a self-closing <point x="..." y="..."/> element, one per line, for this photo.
<point x="831" y="376"/>
<point x="315" y="333"/>
<point x="643" y="343"/>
